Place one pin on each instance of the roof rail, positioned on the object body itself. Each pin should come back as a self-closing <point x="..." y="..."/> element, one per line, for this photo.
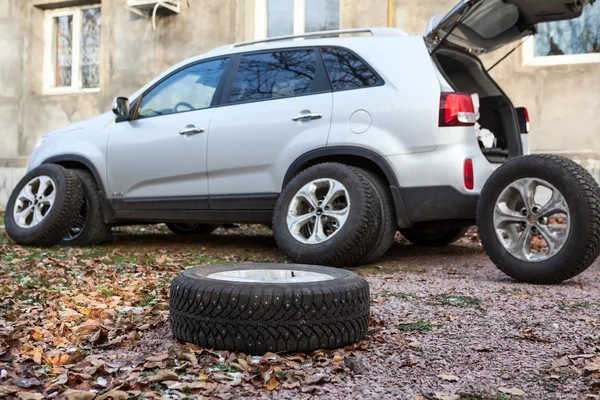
<point x="325" y="34"/>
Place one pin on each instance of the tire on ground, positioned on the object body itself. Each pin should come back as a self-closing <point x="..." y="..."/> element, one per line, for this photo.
<point x="192" y="228"/>
<point x="388" y="222"/>
<point x="89" y="228"/>
<point x="582" y="195"/>
<point x="355" y="238"/>
<point x="256" y="318"/>
<point x="58" y="219"/>
<point x="433" y="238"/>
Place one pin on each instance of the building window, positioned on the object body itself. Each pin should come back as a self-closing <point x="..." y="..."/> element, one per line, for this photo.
<point x="566" y="42"/>
<point x="287" y="17"/>
<point x="72" y="50"/>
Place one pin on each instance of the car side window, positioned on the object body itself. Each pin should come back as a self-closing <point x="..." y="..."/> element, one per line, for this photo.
<point x="276" y="74"/>
<point x="347" y="71"/>
<point x="192" y="88"/>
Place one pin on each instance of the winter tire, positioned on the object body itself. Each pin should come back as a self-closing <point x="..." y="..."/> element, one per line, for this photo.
<point x="329" y="214"/>
<point x="388" y="219"/>
<point x="259" y="308"/>
<point x="433" y="238"/>
<point x="89" y="227"/>
<point x="192" y="228"/>
<point x="43" y="206"/>
<point x="539" y="219"/>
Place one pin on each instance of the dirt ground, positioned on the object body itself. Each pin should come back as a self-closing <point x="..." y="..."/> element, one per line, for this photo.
<point x="93" y="323"/>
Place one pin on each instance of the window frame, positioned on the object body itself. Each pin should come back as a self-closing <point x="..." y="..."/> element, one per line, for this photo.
<point x="216" y="101"/>
<point x="261" y="18"/>
<point x="321" y="79"/>
<point x="380" y="80"/>
<point x="49" y="67"/>
<point x="530" y="60"/>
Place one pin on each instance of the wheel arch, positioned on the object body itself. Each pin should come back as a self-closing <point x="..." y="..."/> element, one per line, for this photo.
<point x="356" y="157"/>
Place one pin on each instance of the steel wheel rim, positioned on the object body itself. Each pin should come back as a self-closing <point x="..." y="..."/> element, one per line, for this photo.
<point x="79" y="225"/>
<point x="270" y="276"/>
<point x="34" y="202"/>
<point x="318" y="211"/>
<point x="531" y="211"/>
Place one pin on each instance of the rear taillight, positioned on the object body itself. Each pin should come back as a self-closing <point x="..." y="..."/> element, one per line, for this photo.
<point x="457" y="109"/>
<point x="527" y="125"/>
<point x="469" y="176"/>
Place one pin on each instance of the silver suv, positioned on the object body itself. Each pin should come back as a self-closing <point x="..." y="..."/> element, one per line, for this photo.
<point x="335" y="139"/>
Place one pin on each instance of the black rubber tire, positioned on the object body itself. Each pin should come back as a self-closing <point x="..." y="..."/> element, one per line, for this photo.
<point x="58" y="220"/>
<point x="428" y="238"/>
<point x="256" y="318"/>
<point x="354" y="240"/>
<point x="389" y="226"/>
<point x="192" y="229"/>
<point x="95" y="231"/>
<point x="582" y="195"/>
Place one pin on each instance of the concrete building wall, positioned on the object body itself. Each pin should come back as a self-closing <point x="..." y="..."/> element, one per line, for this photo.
<point x="562" y="100"/>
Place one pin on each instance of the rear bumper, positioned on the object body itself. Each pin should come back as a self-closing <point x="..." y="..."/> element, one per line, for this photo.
<point x="438" y="203"/>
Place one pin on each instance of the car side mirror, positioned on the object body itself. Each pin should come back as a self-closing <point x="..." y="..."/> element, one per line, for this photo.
<point x="120" y="108"/>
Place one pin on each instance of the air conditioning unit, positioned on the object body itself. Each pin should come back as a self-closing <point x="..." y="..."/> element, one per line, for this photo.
<point x="149" y="7"/>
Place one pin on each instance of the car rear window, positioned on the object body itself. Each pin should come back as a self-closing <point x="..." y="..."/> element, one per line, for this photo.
<point x="275" y="74"/>
<point x="347" y="71"/>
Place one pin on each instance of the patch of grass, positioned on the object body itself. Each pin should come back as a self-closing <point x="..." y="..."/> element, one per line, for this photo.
<point x="225" y="367"/>
<point x="400" y="295"/>
<point x="574" y="306"/>
<point x="455" y="300"/>
<point x="106" y="292"/>
<point x="419" y="326"/>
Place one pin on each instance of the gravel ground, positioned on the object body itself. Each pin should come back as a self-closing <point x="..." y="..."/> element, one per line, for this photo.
<point x="446" y="324"/>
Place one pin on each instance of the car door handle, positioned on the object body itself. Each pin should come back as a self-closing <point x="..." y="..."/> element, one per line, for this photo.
<point x="191" y="130"/>
<point x="307" y="117"/>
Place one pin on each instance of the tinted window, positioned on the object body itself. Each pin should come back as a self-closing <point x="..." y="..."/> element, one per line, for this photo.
<point x="274" y="75"/>
<point x="347" y="71"/>
<point x="190" y="89"/>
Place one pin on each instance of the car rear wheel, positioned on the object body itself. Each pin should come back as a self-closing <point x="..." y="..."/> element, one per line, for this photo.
<point x="539" y="219"/>
<point x="433" y="237"/>
<point x="259" y="308"/>
<point x="329" y="214"/>
<point x="192" y="228"/>
<point x="43" y="206"/>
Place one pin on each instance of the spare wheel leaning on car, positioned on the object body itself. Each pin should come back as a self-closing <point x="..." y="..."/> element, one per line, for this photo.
<point x="259" y="308"/>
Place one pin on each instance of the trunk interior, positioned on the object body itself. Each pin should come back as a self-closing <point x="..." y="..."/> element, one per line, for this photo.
<point x="465" y="73"/>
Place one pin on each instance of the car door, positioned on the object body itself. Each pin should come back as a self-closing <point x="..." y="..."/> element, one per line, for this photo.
<point x="157" y="159"/>
<point x="482" y="26"/>
<point x="278" y="107"/>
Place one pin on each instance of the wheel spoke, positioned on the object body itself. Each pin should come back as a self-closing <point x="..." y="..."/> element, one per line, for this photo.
<point x="295" y="223"/>
<point x="318" y="235"/>
<point x="27" y="193"/>
<point x="21" y="216"/>
<point x="339" y="215"/>
<point x="335" y="188"/>
<point x="554" y="242"/>
<point x="526" y="188"/>
<point x="308" y="193"/>
<point x="505" y="216"/>
<point x="37" y="216"/>
<point x="523" y="243"/>
<point x="556" y="205"/>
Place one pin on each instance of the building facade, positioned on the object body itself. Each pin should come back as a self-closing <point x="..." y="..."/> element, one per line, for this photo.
<point x="62" y="61"/>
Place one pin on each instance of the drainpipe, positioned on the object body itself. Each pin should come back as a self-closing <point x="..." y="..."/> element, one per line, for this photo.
<point x="390" y="13"/>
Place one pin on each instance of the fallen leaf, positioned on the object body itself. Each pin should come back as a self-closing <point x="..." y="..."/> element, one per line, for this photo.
<point x="449" y="378"/>
<point x="115" y="395"/>
<point x="337" y="358"/>
<point x="72" y="394"/>
<point x="58" y="382"/>
<point x="291" y="385"/>
<point x="592" y="368"/>
<point x="164" y="375"/>
<point x="158" y="358"/>
<point x="273" y="383"/>
<point x="29" y="396"/>
<point x="561" y="362"/>
<point x="446" y="396"/>
<point x="512" y="391"/>
<point x="25" y="383"/>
